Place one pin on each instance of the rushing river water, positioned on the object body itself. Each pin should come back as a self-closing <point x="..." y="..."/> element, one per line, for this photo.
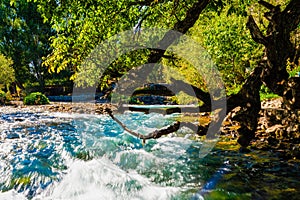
<point x="68" y="156"/>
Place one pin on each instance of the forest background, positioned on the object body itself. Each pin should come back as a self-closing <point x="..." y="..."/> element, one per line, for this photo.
<point x="43" y="44"/>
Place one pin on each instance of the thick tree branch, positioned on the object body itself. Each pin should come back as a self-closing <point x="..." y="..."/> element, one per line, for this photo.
<point x="256" y="33"/>
<point x="278" y="47"/>
<point x="179" y="28"/>
<point x="292" y="15"/>
<point x="179" y="85"/>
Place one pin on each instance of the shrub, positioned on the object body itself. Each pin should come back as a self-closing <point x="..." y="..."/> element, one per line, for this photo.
<point x="36" y="98"/>
<point x="7" y="73"/>
<point x="4" y="98"/>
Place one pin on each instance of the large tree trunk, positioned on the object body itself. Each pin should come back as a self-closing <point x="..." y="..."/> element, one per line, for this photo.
<point x="278" y="47"/>
<point x="271" y="71"/>
<point x="272" y="68"/>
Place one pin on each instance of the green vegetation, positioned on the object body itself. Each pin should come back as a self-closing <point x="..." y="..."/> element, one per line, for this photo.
<point x="46" y="42"/>
<point x="4" y="97"/>
<point x="42" y="36"/>
<point x="228" y="41"/>
<point x="36" y="98"/>
<point x="24" y="37"/>
<point x="266" y="93"/>
<point x="7" y="73"/>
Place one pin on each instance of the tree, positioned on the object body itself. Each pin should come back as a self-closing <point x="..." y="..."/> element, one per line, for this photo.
<point x="81" y="25"/>
<point x="228" y="41"/>
<point x="7" y="73"/>
<point x="282" y="23"/>
<point x="24" y="38"/>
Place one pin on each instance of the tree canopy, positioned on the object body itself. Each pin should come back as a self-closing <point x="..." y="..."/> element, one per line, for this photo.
<point x="80" y="26"/>
<point x="24" y="38"/>
<point x="7" y="73"/>
<point x="252" y="43"/>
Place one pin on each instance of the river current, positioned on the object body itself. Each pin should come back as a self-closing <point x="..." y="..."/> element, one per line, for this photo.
<point x="76" y="156"/>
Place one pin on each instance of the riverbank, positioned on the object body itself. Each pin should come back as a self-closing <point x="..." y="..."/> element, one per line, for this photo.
<point x="66" y="107"/>
<point x="89" y="108"/>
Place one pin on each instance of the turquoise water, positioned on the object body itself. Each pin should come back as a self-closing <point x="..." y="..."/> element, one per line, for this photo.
<point x="68" y="156"/>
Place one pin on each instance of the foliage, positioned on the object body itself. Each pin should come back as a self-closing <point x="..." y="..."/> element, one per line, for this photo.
<point x="228" y="41"/>
<point x="82" y="25"/>
<point x="24" y="37"/>
<point x="4" y="97"/>
<point x="36" y="98"/>
<point x="7" y="73"/>
<point x="65" y="33"/>
<point x="266" y="93"/>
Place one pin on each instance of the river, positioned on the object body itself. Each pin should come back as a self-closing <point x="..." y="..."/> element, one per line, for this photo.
<point x="79" y="156"/>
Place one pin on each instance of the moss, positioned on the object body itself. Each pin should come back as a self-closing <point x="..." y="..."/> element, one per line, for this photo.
<point x="220" y="194"/>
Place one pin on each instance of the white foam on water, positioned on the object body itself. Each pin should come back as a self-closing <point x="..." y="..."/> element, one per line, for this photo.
<point x="12" y="195"/>
<point x="102" y="179"/>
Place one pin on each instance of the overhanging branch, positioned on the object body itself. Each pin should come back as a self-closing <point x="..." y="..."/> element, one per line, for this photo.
<point x="153" y="135"/>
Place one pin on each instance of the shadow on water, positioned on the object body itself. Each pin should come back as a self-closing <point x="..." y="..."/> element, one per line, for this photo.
<point x="83" y="156"/>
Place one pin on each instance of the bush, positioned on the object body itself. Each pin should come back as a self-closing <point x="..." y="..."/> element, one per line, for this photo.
<point x="36" y="98"/>
<point x="7" y="73"/>
<point x="4" y="98"/>
<point x="266" y="93"/>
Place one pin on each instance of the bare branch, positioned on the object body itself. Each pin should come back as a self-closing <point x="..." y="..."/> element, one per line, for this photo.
<point x="153" y="135"/>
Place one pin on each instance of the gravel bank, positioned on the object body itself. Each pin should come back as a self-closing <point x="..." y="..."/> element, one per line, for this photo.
<point x="87" y="108"/>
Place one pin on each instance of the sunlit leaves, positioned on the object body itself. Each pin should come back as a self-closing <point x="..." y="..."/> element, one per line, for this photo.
<point x="228" y="41"/>
<point x="7" y="73"/>
<point x="24" y="38"/>
<point x="82" y="25"/>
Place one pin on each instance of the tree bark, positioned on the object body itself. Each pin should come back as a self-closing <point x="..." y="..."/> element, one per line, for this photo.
<point x="278" y="47"/>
